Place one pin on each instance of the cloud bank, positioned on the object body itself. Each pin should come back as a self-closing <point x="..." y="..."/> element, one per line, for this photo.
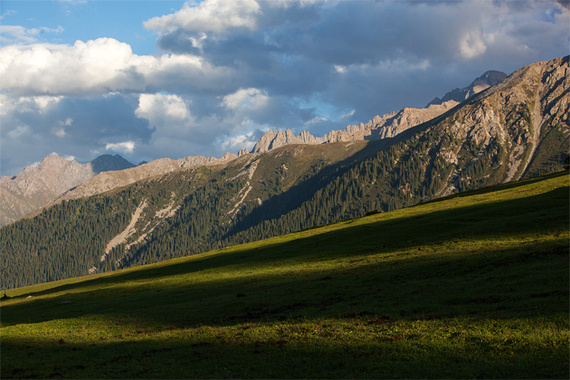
<point x="226" y="71"/>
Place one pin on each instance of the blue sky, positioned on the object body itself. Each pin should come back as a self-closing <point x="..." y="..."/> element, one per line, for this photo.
<point x="68" y="21"/>
<point x="152" y="79"/>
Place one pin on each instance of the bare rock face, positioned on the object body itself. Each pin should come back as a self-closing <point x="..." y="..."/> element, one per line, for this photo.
<point x="202" y="160"/>
<point x="393" y="124"/>
<point x="526" y="115"/>
<point x="276" y="139"/>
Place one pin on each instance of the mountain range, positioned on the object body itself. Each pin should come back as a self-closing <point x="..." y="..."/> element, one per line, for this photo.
<point x="517" y="128"/>
<point x="35" y="187"/>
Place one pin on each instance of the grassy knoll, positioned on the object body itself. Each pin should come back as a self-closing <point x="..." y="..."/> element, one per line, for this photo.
<point x="474" y="286"/>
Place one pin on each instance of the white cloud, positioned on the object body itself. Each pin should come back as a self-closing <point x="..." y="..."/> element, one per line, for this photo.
<point x="59" y="132"/>
<point x="8" y="13"/>
<point x="19" y="131"/>
<point x="123" y="147"/>
<point x="99" y="66"/>
<point x="102" y="66"/>
<point x="209" y="16"/>
<point x="317" y="120"/>
<point x="169" y="116"/>
<point x="236" y="143"/>
<point x="471" y="45"/>
<point x="16" y="34"/>
<point x="340" y="69"/>
<point x="36" y="104"/>
<point x="162" y="107"/>
<point x="246" y="98"/>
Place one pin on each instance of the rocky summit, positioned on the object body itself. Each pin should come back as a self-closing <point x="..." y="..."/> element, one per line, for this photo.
<point x="36" y="186"/>
<point x="488" y="79"/>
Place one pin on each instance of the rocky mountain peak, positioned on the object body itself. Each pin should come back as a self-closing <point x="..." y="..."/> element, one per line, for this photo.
<point x="40" y="184"/>
<point x="277" y="139"/>
<point x="488" y="79"/>
<point x="109" y="162"/>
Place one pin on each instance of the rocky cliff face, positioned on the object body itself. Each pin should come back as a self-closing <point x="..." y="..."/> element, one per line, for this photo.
<point x="35" y="186"/>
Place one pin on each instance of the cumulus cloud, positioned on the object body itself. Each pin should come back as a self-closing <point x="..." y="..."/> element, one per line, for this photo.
<point x="249" y="98"/>
<point x="209" y="16"/>
<point x="102" y="66"/>
<point x="97" y="66"/>
<point x="122" y="147"/>
<point x="161" y="108"/>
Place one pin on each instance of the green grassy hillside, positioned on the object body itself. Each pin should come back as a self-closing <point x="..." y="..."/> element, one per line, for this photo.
<point x="474" y="285"/>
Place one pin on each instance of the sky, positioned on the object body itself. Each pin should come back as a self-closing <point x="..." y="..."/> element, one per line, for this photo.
<point x="152" y="79"/>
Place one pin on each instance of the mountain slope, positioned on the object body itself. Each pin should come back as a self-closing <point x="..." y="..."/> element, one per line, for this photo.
<point x="516" y="129"/>
<point x="473" y="286"/>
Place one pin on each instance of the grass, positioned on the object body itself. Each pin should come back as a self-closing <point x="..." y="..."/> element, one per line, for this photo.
<point x="475" y="285"/>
